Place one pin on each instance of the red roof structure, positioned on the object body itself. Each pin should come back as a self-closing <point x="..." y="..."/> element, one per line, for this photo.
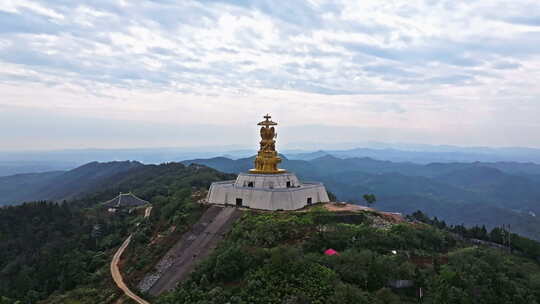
<point x="331" y="251"/>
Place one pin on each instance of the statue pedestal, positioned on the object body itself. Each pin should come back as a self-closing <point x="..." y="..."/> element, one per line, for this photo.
<point x="281" y="191"/>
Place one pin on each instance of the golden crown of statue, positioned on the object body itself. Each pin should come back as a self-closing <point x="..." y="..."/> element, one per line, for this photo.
<point x="267" y="158"/>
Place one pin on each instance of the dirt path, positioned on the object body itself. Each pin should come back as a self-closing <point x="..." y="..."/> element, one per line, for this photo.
<point x="115" y="270"/>
<point x="117" y="276"/>
<point x="194" y="246"/>
<point x="147" y="212"/>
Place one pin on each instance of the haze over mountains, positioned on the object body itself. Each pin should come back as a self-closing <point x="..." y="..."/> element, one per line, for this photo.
<point x="471" y="193"/>
<point x="424" y="154"/>
<point x="478" y="193"/>
<point x="60" y="185"/>
<point x="15" y="162"/>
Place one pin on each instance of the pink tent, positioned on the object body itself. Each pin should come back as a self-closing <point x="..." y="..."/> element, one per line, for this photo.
<point x="331" y="251"/>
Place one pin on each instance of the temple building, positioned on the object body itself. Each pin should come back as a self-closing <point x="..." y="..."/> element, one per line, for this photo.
<point x="266" y="186"/>
<point x="124" y="201"/>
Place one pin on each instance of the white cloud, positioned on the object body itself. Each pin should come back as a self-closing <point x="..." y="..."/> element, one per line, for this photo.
<point x="436" y="66"/>
<point x="14" y="6"/>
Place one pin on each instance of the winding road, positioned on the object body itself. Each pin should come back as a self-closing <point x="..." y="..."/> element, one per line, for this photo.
<point x="115" y="271"/>
<point x="185" y="255"/>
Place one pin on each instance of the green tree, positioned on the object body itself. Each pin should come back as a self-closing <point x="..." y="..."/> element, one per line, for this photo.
<point x="349" y="294"/>
<point x="370" y="199"/>
<point x="386" y="296"/>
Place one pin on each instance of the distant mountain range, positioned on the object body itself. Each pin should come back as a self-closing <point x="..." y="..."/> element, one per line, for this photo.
<point x="60" y="185"/>
<point x="42" y="161"/>
<point x="16" y="162"/>
<point x="478" y="193"/>
<point x="475" y="193"/>
<point x="430" y="154"/>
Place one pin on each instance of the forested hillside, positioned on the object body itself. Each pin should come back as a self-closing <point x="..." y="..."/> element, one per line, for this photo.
<point x="280" y="258"/>
<point x="476" y="193"/>
<point x="52" y="253"/>
<point x="60" y="185"/>
<point x="48" y="247"/>
<point x="59" y="252"/>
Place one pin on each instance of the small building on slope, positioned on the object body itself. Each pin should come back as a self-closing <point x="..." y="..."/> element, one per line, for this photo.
<point x="124" y="201"/>
<point x="266" y="186"/>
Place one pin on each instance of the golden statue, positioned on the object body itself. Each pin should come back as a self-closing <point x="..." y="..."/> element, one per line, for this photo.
<point x="267" y="158"/>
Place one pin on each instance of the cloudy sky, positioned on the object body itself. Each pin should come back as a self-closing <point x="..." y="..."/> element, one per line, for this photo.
<point x="119" y="73"/>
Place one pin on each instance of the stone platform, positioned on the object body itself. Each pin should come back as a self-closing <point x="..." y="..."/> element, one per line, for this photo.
<point x="283" y="191"/>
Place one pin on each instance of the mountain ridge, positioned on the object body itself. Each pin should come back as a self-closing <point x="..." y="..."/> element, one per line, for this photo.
<point x="403" y="187"/>
<point x="494" y="189"/>
<point x="60" y="185"/>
